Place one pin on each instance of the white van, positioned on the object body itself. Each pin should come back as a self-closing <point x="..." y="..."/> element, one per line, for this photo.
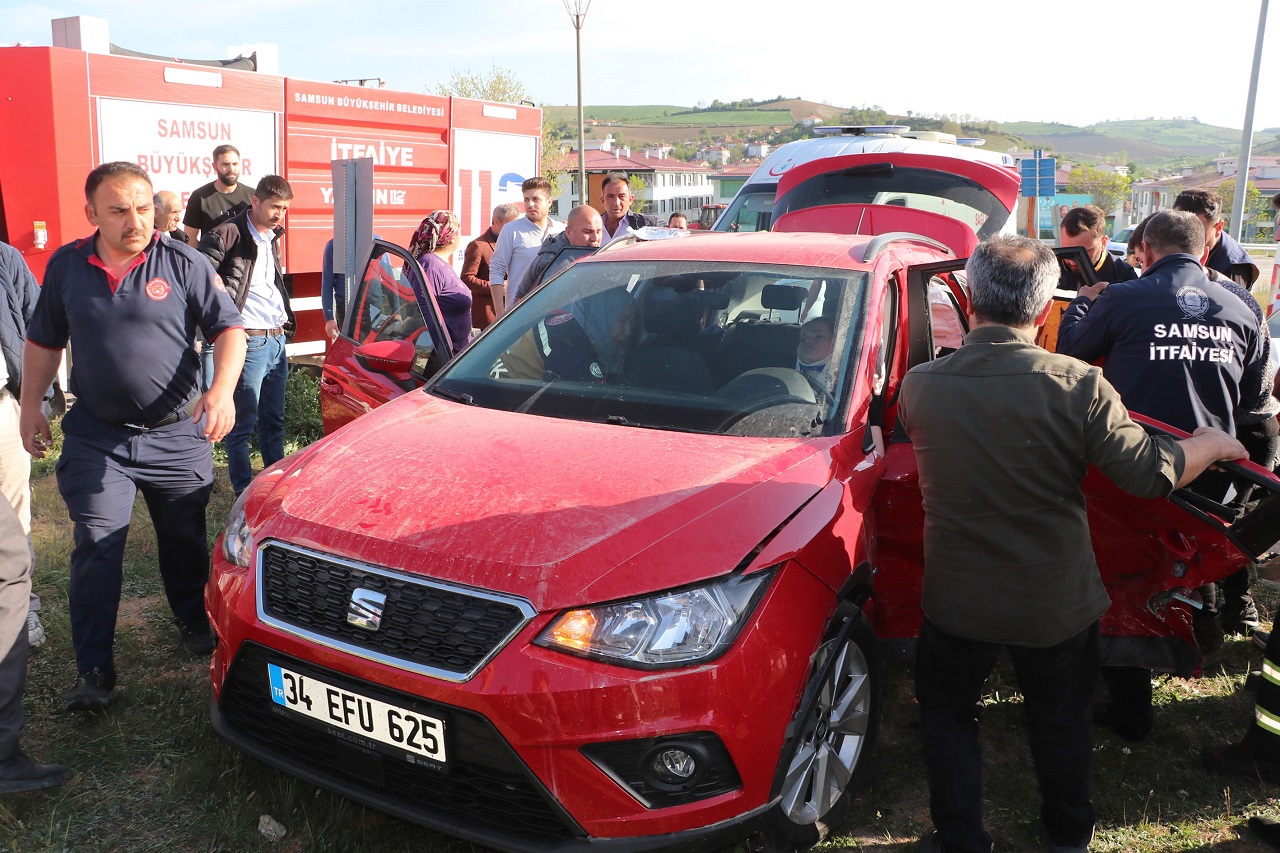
<point x="752" y="208"/>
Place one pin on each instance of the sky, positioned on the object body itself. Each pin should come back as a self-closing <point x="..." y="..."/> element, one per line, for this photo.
<point x="1076" y="63"/>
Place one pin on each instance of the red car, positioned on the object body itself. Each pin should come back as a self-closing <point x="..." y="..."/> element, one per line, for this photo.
<point x="622" y="574"/>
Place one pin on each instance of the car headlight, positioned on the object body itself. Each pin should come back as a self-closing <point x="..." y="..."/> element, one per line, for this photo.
<point x="668" y="629"/>
<point x="237" y="538"/>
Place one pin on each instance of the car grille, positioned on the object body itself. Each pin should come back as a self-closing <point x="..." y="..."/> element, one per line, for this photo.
<point x="428" y="627"/>
<point x="485" y="792"/>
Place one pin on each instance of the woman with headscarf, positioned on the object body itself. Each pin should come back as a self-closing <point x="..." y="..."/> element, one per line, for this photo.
<point x="436" y="239"/>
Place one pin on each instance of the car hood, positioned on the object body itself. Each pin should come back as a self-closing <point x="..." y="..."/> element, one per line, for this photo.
<point x="560" y="512"/>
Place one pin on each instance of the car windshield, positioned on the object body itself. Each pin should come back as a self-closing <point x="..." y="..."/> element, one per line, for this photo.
<point x="735" y="349"/>
<point x="750" y="210"/>
<point x="938" y="192"/>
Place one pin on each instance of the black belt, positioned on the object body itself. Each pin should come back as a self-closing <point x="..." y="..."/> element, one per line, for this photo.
<point x="168" y="420"/>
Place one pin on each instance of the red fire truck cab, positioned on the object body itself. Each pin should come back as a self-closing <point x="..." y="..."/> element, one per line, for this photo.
<point x="66" y="109"/>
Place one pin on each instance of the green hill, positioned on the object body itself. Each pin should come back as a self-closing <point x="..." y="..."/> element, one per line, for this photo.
<point x="1147" y="142"/>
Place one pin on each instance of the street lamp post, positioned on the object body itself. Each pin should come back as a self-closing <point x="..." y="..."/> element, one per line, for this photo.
<point x="577" y="10"/>
<point x="1246" y="137"/>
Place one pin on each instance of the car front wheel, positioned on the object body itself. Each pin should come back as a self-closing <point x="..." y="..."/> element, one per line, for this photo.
<point x="832" y="737"/>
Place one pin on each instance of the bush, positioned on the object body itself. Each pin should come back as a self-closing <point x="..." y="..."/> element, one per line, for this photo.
<point x="302" y="423"/>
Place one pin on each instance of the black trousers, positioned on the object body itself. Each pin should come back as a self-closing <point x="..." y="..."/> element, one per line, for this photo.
<point x="1057" y="685"/>
<point x="1263" y="737"/>
<point x="100" y="472"/>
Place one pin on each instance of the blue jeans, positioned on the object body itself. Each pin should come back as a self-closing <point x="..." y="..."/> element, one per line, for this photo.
<point x="259" y="399"/>
<point x="1057" y="685"/>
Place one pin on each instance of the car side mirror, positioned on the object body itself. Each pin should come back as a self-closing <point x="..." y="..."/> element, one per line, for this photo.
<point x="387" y="356"/>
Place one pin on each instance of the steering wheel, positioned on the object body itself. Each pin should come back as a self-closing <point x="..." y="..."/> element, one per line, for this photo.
<point x="827" y="398"/>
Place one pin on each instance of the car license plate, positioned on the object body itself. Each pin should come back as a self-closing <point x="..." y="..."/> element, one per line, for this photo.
<point x="417" y="734"/>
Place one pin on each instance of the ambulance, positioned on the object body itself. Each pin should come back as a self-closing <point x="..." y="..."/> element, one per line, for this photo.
<point x="752" y="209"/>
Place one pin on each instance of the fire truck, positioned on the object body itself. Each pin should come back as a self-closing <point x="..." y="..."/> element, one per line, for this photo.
<point x="82" y="102"/>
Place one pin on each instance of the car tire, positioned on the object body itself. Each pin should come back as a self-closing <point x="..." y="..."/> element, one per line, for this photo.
<point x="824" y="761"/>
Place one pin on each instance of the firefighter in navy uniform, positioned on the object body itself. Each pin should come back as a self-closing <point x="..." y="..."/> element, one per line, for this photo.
<point x="1087" y="227"/>
<point x="132" y="299"/>
<point x="1225" y="254"/>
<point x="1183" y="350"/>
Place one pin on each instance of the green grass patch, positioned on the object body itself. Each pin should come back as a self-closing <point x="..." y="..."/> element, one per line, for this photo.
<point x="152" y="776"/>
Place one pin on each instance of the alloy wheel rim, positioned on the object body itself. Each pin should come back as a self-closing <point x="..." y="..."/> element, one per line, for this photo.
<point x="832" y="738"/>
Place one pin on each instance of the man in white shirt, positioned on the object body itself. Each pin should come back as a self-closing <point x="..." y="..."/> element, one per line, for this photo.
<point x="245" y="251"/>
<point x="615" y="201"/>
<point x="520" y="241"/>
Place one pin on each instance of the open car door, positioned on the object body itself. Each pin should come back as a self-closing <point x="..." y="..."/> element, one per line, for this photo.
<point x="954" y="201"/>
<point x="1152" y="553"/>
<point x="392" y="340"/>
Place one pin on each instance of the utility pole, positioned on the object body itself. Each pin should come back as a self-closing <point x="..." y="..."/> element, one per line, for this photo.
<point x="577" y="10"/>
<point x="1246" y="137"/>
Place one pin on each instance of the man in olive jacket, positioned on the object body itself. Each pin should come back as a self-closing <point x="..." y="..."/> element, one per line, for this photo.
<point x="245" y="251"/>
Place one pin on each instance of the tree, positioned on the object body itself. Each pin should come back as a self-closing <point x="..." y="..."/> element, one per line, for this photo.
<point x="498" y="84"/>
<point x="1109" y="190"/>
<point x="638" y="185"/>
<point x="502" y="85"/>
<point x="1256" y="208"/>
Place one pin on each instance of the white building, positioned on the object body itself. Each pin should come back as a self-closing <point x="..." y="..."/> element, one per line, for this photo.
<point x="671" y="186"/>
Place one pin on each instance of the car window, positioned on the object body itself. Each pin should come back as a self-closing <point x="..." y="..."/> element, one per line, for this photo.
<point x="737" y="349"/>
<point x="387" y="309"/>
<point x="750" y="210"/>
<point x="947" y="322"/>
<point x="943" y="193"/>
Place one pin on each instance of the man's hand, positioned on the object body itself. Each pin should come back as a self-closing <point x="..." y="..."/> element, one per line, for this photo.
<point x="1227" y="448"/>
<point x="1092" y="291"/>
<point x="219" y="411"/>
<point x="1205" y="447"/>
<point x="331" y="330"/>
<point x="34" y="426"/>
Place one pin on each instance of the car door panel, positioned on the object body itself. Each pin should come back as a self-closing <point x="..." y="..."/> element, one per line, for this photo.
<point x="1152" y="553"/>
<point x="391" y="303"/>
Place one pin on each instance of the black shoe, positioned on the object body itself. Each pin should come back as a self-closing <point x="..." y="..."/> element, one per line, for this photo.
<point x="1266" y="829"/>
<point x="198" y="638"/>
<point x="1236" y="759"/>
<point x="1105" y="716"/>
<point x="20" y="773"/>
<point x="931" y="843"/>
<point x="1241" y="619"/>
<point x="93" y="691"/>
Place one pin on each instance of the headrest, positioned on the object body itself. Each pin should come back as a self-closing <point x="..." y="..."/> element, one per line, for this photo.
<point x="783" y="297"/>
<point x="669" y="313"/>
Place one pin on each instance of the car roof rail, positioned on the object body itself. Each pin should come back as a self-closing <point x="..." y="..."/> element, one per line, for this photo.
<point x="861" y="130"/>
<point x="883" y="241"/>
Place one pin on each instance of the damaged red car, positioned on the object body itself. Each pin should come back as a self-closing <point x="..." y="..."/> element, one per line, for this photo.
<point x="621" y="576"/>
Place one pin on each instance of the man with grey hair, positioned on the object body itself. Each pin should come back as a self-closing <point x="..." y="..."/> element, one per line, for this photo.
<point x="169" y="215"/>
<point x="1181" y="349"/>
<point x="1003" y="434"/>
<point x="475" y="265"/>
<point x="615" y="202"/>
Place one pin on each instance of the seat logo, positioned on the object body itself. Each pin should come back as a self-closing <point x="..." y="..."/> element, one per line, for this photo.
<point x="365" y="610"/>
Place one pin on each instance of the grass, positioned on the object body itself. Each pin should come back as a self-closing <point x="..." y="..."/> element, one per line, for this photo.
<point x="152" y="776"/>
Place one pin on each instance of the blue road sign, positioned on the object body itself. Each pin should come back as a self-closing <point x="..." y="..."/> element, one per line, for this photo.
<point x="1038" y="176"/>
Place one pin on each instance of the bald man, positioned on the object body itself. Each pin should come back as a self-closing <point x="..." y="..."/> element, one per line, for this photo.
<point x="583" y="227"/>
<point x="169" y="214"/>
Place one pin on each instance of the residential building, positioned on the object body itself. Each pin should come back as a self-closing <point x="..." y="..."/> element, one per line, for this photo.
<point x="671" y="186"/>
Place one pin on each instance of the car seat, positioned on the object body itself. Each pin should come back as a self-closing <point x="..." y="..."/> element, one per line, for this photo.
<point x="669" y="356"/>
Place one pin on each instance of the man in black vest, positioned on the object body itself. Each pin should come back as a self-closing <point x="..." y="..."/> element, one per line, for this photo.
<point x="1225" y="254"/>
